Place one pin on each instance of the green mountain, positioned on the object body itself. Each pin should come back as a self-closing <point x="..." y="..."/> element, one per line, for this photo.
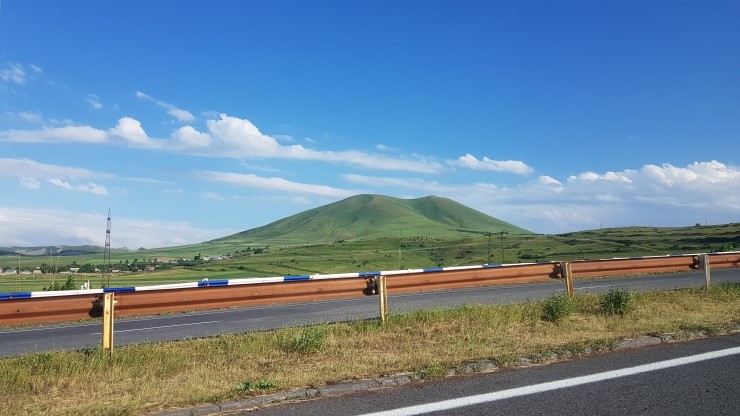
<point x="377" y="216"/>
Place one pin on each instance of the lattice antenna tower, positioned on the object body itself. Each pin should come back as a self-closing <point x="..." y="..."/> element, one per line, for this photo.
<point x="106" y="252"/>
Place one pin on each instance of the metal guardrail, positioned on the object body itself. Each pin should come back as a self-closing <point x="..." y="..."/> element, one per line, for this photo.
<point x="35" y="307"/>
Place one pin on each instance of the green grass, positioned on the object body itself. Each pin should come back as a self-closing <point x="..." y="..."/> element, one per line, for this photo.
<point x="150" y="377"/>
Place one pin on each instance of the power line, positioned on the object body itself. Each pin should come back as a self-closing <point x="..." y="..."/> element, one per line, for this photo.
<point x="106" y="253"/>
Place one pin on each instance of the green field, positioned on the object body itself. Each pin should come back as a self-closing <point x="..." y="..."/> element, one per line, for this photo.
<point x="386" y="253"/>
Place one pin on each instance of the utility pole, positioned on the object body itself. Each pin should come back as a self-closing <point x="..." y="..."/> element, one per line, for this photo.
<point x="489" y="248"/>
<point x="503" y="256"/>
<point x="106" y="252"/>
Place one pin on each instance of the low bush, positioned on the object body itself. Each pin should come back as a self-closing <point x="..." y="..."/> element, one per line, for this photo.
<point x="556" y="308"/>
<point x="617" y="301"/>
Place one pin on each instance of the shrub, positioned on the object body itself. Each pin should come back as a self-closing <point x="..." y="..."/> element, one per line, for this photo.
<point x="616" y="302"/>
<point x="68" y="285"/>
<point x="556" y="308"/>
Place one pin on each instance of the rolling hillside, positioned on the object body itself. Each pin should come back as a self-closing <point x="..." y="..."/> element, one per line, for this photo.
<point x="376" y="216"/>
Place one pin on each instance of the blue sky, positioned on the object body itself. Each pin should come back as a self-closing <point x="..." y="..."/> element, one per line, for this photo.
<point x="191" y="120"/>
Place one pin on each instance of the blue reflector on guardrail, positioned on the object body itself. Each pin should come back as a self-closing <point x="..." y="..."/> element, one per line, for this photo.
<point x="217" y="282"/>
<point x="119" y="289"/>
<point x="432" y="269"/>
<point x="492" y="265"/>
<point x="15" y="295"/>
<point x="368" y="274"/>
<point x="296" y="278"/>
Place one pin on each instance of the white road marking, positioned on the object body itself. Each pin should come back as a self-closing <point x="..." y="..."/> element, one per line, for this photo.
<point x="159" y="327"/>
<point x="553" y="385"/>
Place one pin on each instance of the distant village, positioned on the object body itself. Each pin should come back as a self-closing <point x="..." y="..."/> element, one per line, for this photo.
<point x="134" y="266"/>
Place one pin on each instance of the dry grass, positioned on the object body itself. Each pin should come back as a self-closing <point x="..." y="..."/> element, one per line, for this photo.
<point x="150" y="377"/>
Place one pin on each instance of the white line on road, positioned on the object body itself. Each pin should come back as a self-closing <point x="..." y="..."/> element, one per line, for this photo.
<point x="553" y="385"/>
<point x="160" y="327"/>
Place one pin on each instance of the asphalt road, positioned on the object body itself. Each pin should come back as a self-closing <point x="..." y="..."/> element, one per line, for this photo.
<point x="690" y="378"/>
<point x="237" y="320"/>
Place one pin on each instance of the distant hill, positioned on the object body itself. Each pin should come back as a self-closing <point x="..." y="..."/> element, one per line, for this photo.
<point x="50" y="250"/>
<point x="377" y="216"/>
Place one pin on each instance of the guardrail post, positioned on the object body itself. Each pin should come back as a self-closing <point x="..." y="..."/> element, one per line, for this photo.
<point x="383" y="296"/>
<point x="568" y="274"/>
<point x="707" y="269"/>
<point x="108" y="303"/>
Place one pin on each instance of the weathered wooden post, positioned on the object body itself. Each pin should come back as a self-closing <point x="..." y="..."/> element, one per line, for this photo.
<point x="565" y="268"/>
<point x="383" y="296"/>
<point x="108" y="304"/>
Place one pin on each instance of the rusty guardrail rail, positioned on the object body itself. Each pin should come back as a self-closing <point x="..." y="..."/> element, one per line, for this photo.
<point x="34" y="307"/>
<point x="611" y="267"/>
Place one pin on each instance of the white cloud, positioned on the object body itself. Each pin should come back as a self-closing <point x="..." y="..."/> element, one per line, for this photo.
<point x="178" y="113"/>
<point x="187" y="137"/>
<point x="14" y="73"/>
<point x="131" y="131"/>
<point x="384" y="148"/>
<point x="273" y="184"/>
<point x="26" y="116"/>
<point x="548" y="180"/>
<point x="60" y="183"/>
<point x="92" y="188"/>
<point x="406" y="183"/>
<point x="511" y="166"/>
<point x="608" y="176"/>
<point x="230" y="137"/>
<point x="215" y="196"/>
<point x="239" y="138"/>
<point x="244" y="138"/>
<point x="67" y="134"/>
<point x="36" y="69"/>
<point x="29" y="182"/>
<point x="31" y="168"/>
<point x="39" y="227"/>
<point x="94" y="101"/>
<point x="89" y="187"/>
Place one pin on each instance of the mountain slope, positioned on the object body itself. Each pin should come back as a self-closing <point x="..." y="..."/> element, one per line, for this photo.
<point x="376" y="216"/>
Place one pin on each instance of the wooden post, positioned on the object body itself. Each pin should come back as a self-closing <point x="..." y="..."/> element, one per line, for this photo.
<point x="565" y="267"/>
<point x="707" y="269"/>
<point x="383" y="296"/>
<point x="108" y="303"/>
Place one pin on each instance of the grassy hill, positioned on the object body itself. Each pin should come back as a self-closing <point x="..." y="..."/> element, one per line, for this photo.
<point x="376" y="216"/>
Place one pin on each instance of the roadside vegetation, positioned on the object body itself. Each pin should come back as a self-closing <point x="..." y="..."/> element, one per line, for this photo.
<point x="246" y="258"/>
<point x="427" y="343"/>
